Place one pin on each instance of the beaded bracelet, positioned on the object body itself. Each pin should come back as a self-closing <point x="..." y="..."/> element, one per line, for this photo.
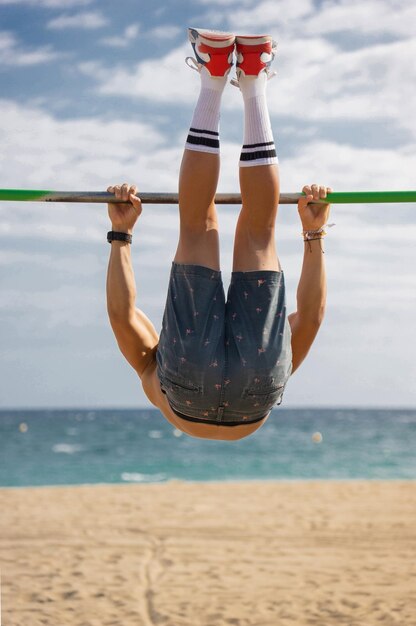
<point x="308" y="234"/>
<point x="312" y="235"/>
<point x="308" y="241"/>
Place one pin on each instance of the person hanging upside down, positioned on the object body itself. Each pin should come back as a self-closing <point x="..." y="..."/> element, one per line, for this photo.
<point x="220" y="365"/>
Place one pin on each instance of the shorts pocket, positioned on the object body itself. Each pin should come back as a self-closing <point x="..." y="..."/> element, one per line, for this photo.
<point x="181" y="388"/>
<point x="264" y="397"/>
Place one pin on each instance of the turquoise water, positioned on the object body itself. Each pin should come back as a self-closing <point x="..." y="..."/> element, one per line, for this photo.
<point x="119" y="446"/>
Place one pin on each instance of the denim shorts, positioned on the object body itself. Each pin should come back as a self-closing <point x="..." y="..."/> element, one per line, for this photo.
<point x="224" y="362"/>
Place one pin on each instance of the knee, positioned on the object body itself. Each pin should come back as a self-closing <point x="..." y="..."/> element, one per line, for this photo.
<point x="198" y="227"/>
<point x="257" y="233"/>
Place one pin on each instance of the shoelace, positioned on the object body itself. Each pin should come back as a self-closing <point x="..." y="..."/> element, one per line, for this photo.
<point x="195" y="64"/>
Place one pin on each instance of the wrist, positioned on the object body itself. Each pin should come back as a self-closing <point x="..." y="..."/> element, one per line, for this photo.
<point x="122" y="229"/>
<point x="312" y="228"/>
<point x="314" y="240"/>
<point x="314" y="245"/>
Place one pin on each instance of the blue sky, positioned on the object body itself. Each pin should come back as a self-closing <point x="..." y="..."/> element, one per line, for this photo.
<point x="93" y="93"/>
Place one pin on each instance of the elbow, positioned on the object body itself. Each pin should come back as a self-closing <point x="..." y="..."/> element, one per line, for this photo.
<point x="312" y="318"/>
<point x="320" y="315"/>
<point x="120" y="315"/>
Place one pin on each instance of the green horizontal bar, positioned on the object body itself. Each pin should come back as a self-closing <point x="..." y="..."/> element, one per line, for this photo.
<point x="364" y="197"/>
<point x="23" y="195"/>
<point x="338" y="197"/>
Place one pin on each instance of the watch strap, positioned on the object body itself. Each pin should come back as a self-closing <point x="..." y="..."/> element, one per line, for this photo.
<point x="112" y="235"/>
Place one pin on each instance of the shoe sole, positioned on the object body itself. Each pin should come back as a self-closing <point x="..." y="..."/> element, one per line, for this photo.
<point x="213" y="38"/>
<point x="252" y="40"/>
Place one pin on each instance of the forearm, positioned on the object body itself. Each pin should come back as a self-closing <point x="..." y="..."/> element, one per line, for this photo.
<point x="311" y="293"/>
<point x="121" y="286"/>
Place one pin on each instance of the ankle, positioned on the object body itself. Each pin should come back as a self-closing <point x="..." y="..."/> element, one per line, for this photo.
<point x="253" y="86"/>
<point x="212" y="83"/>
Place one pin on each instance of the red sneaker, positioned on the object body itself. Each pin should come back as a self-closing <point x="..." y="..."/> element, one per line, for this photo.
<point x="213" y="50"/>
<point x="255" y="54"/>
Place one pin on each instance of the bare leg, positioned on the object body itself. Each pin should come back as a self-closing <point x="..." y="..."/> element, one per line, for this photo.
<point x="254" y="244"/>
<point x="198" y="179"/>
<point x="198" y="238"/>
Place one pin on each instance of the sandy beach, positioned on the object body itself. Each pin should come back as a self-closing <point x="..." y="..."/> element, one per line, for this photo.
<point x="210" y="554"/>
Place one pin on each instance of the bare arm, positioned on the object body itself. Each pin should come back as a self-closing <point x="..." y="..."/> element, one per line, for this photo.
<point x="134" y="332"/>
<point x="121" y="285"/>
<point x="311" y="292"/>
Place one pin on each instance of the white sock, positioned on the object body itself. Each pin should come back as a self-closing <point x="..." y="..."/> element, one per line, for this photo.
<point x="204" y="131"/>
<point x="258" y="143"/>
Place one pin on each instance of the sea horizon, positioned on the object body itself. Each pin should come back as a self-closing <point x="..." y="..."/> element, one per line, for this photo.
<point x="89" y="445"/>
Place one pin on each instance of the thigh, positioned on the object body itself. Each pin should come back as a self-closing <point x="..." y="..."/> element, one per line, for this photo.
<point x="254" y="249"/>
<point x="192" y="337"/>
<point x="199" y="245"/>
<point x="259" y="357"/>
<point x="254" y="242"/>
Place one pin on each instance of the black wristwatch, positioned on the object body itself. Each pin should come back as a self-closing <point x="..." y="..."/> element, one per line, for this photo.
<point x="114" y="236"/>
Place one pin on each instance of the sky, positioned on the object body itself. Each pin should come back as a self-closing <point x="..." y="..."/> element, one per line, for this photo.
<point x="94" y="93"/>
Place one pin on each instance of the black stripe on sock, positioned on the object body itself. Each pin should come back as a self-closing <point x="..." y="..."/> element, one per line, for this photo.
<point x="203" y="141"/>
<point x="206" y="132"/>
<point x="258" y="145"/>
<point x="259" y="154"/>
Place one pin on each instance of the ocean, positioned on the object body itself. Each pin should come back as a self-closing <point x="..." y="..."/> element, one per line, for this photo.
<point x="68" y="447"/>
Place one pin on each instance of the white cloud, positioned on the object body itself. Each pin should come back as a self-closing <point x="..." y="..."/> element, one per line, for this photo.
<point x="41" y="151"/>
<point x="55" y="305"/>
<point x="83" y="265"/>
<point x="344" y="167"/>
<point x="87" y="20"/>
<point x="260" y="19"/>
<point x="287" y="20"/>
<point x="12" y="54"/>
<point x="320" y="83"/>
<point x="164" y="80"/>
<point x="165" y="31"/>
<point x="130" y="33"/>
<point x="372" y="16"/>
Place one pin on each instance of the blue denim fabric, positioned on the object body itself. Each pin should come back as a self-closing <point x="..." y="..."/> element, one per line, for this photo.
<point x="224" y="362"/>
